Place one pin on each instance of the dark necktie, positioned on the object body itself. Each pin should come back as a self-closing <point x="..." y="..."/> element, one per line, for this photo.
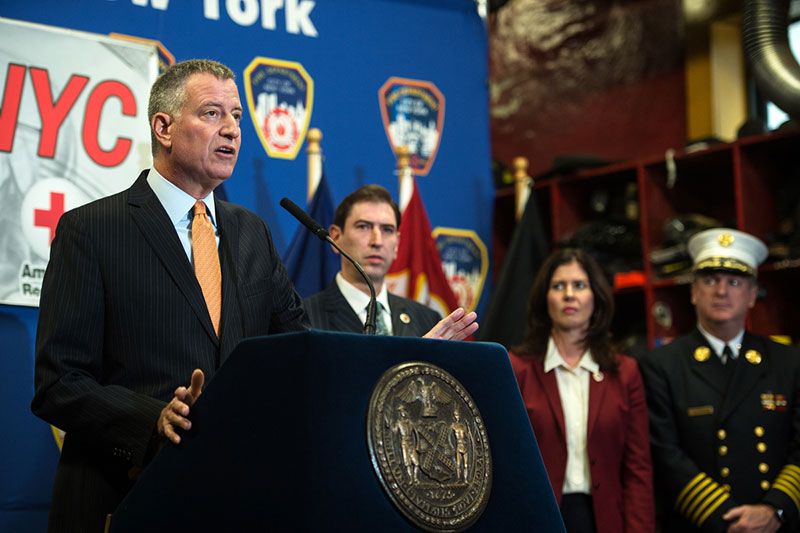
<point x="727" y="354"/>
<point x="380" y="322"/>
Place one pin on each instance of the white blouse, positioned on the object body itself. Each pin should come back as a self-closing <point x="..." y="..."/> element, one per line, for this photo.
<point x="573" y="388"/>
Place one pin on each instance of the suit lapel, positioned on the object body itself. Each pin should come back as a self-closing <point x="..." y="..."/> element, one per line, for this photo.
<point x="152" y="220"/>
<point x="707" y="370"/>
<point x="745" y="376"/>
<point x="229" y="250"/>
<point x="400" y="328"/>
<point x="341" y="316"/>
<point x="597" y="392"/>
<point x="550" y="386"/>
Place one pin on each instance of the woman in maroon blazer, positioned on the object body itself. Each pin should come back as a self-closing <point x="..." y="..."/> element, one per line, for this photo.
<point x="586" y="403"/>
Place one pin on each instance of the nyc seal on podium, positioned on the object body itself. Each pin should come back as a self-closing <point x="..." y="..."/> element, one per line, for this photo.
<point x="429" y="447"/>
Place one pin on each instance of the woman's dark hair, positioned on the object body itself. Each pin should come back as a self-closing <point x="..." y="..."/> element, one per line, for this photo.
<point x="539" y="327"/>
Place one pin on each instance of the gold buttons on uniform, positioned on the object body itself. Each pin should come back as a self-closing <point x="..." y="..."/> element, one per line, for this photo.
<point x="759" y="431"/>
<point x="721" y="434"/>
<point x="723" y="450"/>
<point x="763" y="468"/>
<point x="726" y="487"/>
<point x="764" y="484"/>
<point x="761" y="447"/>
<point x="724" y="471"/>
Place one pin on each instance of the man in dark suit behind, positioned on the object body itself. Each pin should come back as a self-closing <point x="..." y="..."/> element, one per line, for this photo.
<point x="724" y="405"/>
<point x="125" y="321"/>
<point x="366" y="226"/>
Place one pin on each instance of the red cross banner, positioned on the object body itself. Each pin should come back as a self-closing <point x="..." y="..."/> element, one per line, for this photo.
<point x="73" y="128"/>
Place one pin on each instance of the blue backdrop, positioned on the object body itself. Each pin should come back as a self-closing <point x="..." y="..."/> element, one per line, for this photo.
<point x="358" y="46"/>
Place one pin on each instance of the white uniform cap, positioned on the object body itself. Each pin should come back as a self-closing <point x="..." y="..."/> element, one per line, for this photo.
<point x="728" y="250"/>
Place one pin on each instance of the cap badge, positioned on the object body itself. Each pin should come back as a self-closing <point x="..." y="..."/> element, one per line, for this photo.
<point x="725" y="239"/>
<point x="702" y="353"/>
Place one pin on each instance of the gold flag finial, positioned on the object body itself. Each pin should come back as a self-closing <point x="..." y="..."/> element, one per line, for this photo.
<point x="314" y="168"/>
<point x="314" y="138"/>
<point x="522" y="185"/>
<point x="403" y="157"/>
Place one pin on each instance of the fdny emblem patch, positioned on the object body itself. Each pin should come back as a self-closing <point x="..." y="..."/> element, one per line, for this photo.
<point x="280" y="96"/>
<point x="413" y="116"/>
<point x="465" y="262"/>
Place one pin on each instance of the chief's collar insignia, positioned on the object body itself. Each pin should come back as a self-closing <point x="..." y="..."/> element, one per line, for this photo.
<point x="702" y="354"/>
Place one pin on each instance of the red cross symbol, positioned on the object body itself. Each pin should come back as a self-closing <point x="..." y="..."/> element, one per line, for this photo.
<point x="49" y="219"/>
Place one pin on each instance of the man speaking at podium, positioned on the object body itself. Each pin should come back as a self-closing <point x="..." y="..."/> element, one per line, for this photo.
<point x="366" y="226"/>
<point x="148" y="290"/>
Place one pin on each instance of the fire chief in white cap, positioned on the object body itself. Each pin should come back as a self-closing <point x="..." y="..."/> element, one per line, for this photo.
<point x="724" y="413"/>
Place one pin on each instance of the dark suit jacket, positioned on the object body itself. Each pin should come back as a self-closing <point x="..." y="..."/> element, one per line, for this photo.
<point x="330" y="311"/>
<point x="707" y="421"/>
<point x="617" y="441"/>
<point x="123" y="323"/>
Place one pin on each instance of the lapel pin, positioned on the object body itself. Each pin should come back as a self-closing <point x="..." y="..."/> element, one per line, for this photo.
<point x="598" y="376"/>
<point x="702" y="353"/>
<point x="405" y="318"/>
<point x="753" y="357"/>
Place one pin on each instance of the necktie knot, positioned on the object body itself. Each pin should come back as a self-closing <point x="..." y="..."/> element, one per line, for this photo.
<point x="727" y="354"/>
<point x="200" y="208"/>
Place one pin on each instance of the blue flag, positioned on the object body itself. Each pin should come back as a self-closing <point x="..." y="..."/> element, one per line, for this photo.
<point x="310" y="262"/>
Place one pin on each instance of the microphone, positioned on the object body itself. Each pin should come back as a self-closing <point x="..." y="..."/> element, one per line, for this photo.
<point x="317" y="229"/>
<point x="303" y="217"/>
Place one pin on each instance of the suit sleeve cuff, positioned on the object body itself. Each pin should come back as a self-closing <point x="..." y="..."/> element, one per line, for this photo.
<point x="703" y="501"/>
<point x="138" y="447"/>
<point x="785" y="492"/>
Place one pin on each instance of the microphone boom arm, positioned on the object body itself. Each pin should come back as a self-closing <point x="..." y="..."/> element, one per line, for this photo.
<point x="317" y="229"/>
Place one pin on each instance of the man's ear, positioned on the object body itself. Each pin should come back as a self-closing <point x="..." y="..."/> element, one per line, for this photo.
<point x="753" y="295"/>
<point x="161" y="123"/>
<point x="335" y="232"/>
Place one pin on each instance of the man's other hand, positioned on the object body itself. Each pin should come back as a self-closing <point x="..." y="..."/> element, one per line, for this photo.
<point x="752" y="518"/>
<point x="174" y="415"/>
<point x="456" y="326"/>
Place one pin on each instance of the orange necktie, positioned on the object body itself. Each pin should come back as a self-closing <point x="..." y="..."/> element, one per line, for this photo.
<point x="206" y="262"/>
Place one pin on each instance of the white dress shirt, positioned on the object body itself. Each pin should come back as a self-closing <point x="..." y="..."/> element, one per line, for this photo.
<point x="180" y="208"/>
<point x="735" y="344"/>
<point x="573" y="388"/>
<point x="359" y="301"/>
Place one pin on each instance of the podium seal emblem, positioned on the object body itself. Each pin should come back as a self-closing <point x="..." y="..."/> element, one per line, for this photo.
<point x="429" y="447"/>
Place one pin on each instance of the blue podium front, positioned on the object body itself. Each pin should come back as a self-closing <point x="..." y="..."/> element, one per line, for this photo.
<point x="279" y="441"/>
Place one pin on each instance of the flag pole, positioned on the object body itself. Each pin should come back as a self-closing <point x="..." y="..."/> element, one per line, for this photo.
<point x="522" y="185"/>
<point x="405" y="176"/>
<point x="314" y="151"/>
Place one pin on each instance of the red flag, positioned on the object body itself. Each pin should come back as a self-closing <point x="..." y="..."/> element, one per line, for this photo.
<point x="417" y="272"/>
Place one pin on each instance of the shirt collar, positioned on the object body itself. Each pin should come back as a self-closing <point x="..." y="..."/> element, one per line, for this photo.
<point x="718" y="344"/>
<point x="177" y="203"/>
<point x="553" y="360"/>
<point x="357" y="299"/>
